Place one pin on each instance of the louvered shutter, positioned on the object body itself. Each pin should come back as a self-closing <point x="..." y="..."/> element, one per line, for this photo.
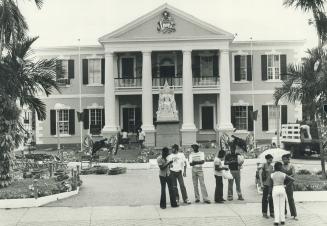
<point x="86" y="122"/>
<point x="250" y="118"/>
<point x="71" y="121"/>
<point x="53" y="122"/>
<point x="237" y="62"/>
<point x="265" y="118"/>
<point x="103" y="70"/>
<point x="103" y="118"/>
<point x="264" y="67"/>
<point x="249" y="67"/>
<point x="233" y="120"/>
<point x="85" y="65"/>
<point x="215" y="66"/>
<point x="283" y="67"/>
<point x="196" y="66"/>
<point x="71" y="69"/>
<point x="284" y="114"/>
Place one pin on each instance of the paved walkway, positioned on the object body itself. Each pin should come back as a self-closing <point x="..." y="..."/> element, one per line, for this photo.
<point x="196" y="214"/>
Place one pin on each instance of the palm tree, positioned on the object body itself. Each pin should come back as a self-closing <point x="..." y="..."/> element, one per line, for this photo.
<point x="316" y="7"/>
<point x="307" y="84"/>
<point x="12" y="23"/>
<point x="22" y="79"/>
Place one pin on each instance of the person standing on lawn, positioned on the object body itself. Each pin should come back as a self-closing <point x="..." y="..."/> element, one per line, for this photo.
<point x="232" y="160"/>
<point x="141" y="137"/>
<point x="266" y="186"/>
<point x="289" y="170"/>
<point x="218" y="171"/>
<point x="178" y="171"/>
<point x="196" y="160"/>
<point x="278" y="192"/>
<point x="164" y="163"/>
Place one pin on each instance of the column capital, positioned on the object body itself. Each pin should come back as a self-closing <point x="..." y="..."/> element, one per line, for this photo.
<point x="146" y="52"/>
<point x="186" y="51"/>
<point x="108" y="53"/>
<point x="225" y="51"/>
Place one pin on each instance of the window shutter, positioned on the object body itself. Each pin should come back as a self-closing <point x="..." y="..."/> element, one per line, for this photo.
<point x="215" y="66"/>
<point x="264" y="67"/>
<point x="59" y="71"/>
<point x="265" y="118"/>
<point x="86" y="118"/>
<point x="196" y="66"/>
<point x="233" y="115"/>
<point x="283" y="67"/>
<point x="103" y="66"/>
<point x="249" y="68"/>
<point x="237" y="62"/>
<point x="53" y="123"/>
<point x="71" y="121"/>
<point x="103" y="118"/>
<point x="71" y="71"/>
<point x="85" y="71"/>
<point x="250" y="118"/>
<point x="284" y="114"/>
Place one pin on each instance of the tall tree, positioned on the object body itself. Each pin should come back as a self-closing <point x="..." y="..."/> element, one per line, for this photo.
<point x="22" y="79"/>
<point x="307" y="83"/>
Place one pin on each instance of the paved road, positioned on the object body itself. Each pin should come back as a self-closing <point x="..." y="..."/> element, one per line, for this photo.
<point x="197" y="215"/>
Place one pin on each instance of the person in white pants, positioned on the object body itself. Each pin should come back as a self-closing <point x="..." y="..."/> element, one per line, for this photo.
<point x="279" y="193"/>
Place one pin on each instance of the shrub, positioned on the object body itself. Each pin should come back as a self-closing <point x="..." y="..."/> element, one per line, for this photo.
<point x="303" y="172"/>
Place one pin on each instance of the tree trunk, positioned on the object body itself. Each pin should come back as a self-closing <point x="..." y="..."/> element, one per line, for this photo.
<point x="2" y="36"/>
<point x="322" y="151"/>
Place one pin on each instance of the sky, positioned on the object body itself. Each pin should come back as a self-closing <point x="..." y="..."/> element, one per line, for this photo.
<point x="63" y="22"/>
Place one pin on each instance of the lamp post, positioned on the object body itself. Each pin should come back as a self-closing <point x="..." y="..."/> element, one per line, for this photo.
<point x="252" y="91"/>
<point x="80" y="94"/>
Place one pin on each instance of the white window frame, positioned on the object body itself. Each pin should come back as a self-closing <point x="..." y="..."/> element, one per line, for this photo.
<point x="62" y="121"/>
<point x="273" y="130"/>
<point x="90" y="117"/>
<point x="247" y="118"/>
<point x="214" y="113"/>
<point x="91" y="73"/>
<point x="121" y="65"/>
<point x="245" y="54"/>
<point x="275" y="76"/>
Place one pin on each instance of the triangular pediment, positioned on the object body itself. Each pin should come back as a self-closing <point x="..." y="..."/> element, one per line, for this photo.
<point x="166" y="22"/>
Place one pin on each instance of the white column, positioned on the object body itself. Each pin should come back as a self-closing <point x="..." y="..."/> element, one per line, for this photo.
<point x="188" y="114"/>
<point x="109" y="95"/>
<point x="224" y="98"/>
<point x="147" y="105"/>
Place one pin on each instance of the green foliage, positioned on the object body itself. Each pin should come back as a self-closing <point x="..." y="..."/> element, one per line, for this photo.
<point x="303" y="172"/>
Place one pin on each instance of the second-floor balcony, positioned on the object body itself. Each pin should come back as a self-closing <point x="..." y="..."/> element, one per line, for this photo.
<point x="176" y="81"/>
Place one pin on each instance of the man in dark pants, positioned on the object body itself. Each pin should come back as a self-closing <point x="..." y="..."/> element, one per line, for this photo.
<point x="266" y="186"/>
<point x="178" y="171"/>
<point x="164" y="163"/>
<point x="218" y="171"/>
<point x="231" y="160"/>
<point x="289" y="170"/>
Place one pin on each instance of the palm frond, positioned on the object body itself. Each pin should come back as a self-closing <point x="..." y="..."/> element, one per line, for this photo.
<point x="305" y="5"/>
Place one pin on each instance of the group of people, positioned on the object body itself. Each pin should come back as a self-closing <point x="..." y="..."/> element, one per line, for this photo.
<point x="277" y="186"/>
<point x="173" y="168"/>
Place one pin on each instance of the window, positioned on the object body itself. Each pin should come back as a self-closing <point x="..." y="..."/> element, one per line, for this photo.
<point x="95" y="121"/>
<point x="272" y="117"/>
<point x="94" y="71"/>
<point x="241" y="118"/>
<point x="273" y="67"/>
<point x="206" y="66"/>
<point x="243" y="67"/>
<point x="63" y="121"/>
<point x="131" y="118"/>
<point x="127" y="67"/>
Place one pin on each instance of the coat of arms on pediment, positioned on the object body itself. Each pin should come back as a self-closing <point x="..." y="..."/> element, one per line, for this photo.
<point x="166" y="24"/>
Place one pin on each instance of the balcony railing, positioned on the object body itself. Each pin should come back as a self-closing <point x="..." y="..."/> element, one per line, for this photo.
<point x="128" y="82"/>
<point x="172" y="81"/>
<point x="63" y="81"/>
<point x="205" y="81"/>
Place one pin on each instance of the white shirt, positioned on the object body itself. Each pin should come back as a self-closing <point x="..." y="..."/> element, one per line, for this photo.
<point x="196" y="156"/>
<point x="217" y="162"/>
<point x="141" y="135"/>
<point x="178" y="161"/>
<point x="124" y="135"/>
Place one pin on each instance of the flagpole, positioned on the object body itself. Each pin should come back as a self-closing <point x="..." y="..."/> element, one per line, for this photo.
<point x="252" y="89"/>
<point x="80" y="95"/>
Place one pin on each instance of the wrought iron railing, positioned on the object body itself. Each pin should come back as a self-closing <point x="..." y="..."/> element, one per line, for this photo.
<point x="172" y="81"/>
<point x="128" y="82"/>
<point x="205" y="81"/>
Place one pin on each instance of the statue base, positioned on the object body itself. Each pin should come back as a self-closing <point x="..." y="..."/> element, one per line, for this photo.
<point x="167" y="133"/>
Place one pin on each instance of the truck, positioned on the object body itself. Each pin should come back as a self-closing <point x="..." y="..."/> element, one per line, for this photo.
<point x="299" y="139"/>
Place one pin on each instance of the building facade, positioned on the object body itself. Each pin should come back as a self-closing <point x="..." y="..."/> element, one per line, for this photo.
<point x="218" y="82"/>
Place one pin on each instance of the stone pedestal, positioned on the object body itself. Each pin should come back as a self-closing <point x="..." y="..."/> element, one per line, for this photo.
<point x="167" y="134"/>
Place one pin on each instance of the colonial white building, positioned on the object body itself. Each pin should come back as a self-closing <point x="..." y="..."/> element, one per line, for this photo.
<point x="218" y="82"/>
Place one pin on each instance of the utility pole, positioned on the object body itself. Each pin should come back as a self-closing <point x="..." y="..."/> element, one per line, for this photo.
<point x="252" y="90"/>
<point x="80" y="95"/>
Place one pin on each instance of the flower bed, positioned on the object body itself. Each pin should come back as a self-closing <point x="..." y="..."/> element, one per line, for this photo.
<point x="309" y="182"/>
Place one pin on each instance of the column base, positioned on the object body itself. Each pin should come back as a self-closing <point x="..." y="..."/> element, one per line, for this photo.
<point x="188" y="134"/>
<point x="227" y="127"/>
<point x="109" y="131"/>
<point x="150" y="136"/>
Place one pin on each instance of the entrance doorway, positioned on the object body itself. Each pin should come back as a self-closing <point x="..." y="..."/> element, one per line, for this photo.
<point x="131" y="119"/>
<point x="207" y="117"/>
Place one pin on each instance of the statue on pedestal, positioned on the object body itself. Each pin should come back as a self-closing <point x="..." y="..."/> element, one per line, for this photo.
<point x="167" y="105"/>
